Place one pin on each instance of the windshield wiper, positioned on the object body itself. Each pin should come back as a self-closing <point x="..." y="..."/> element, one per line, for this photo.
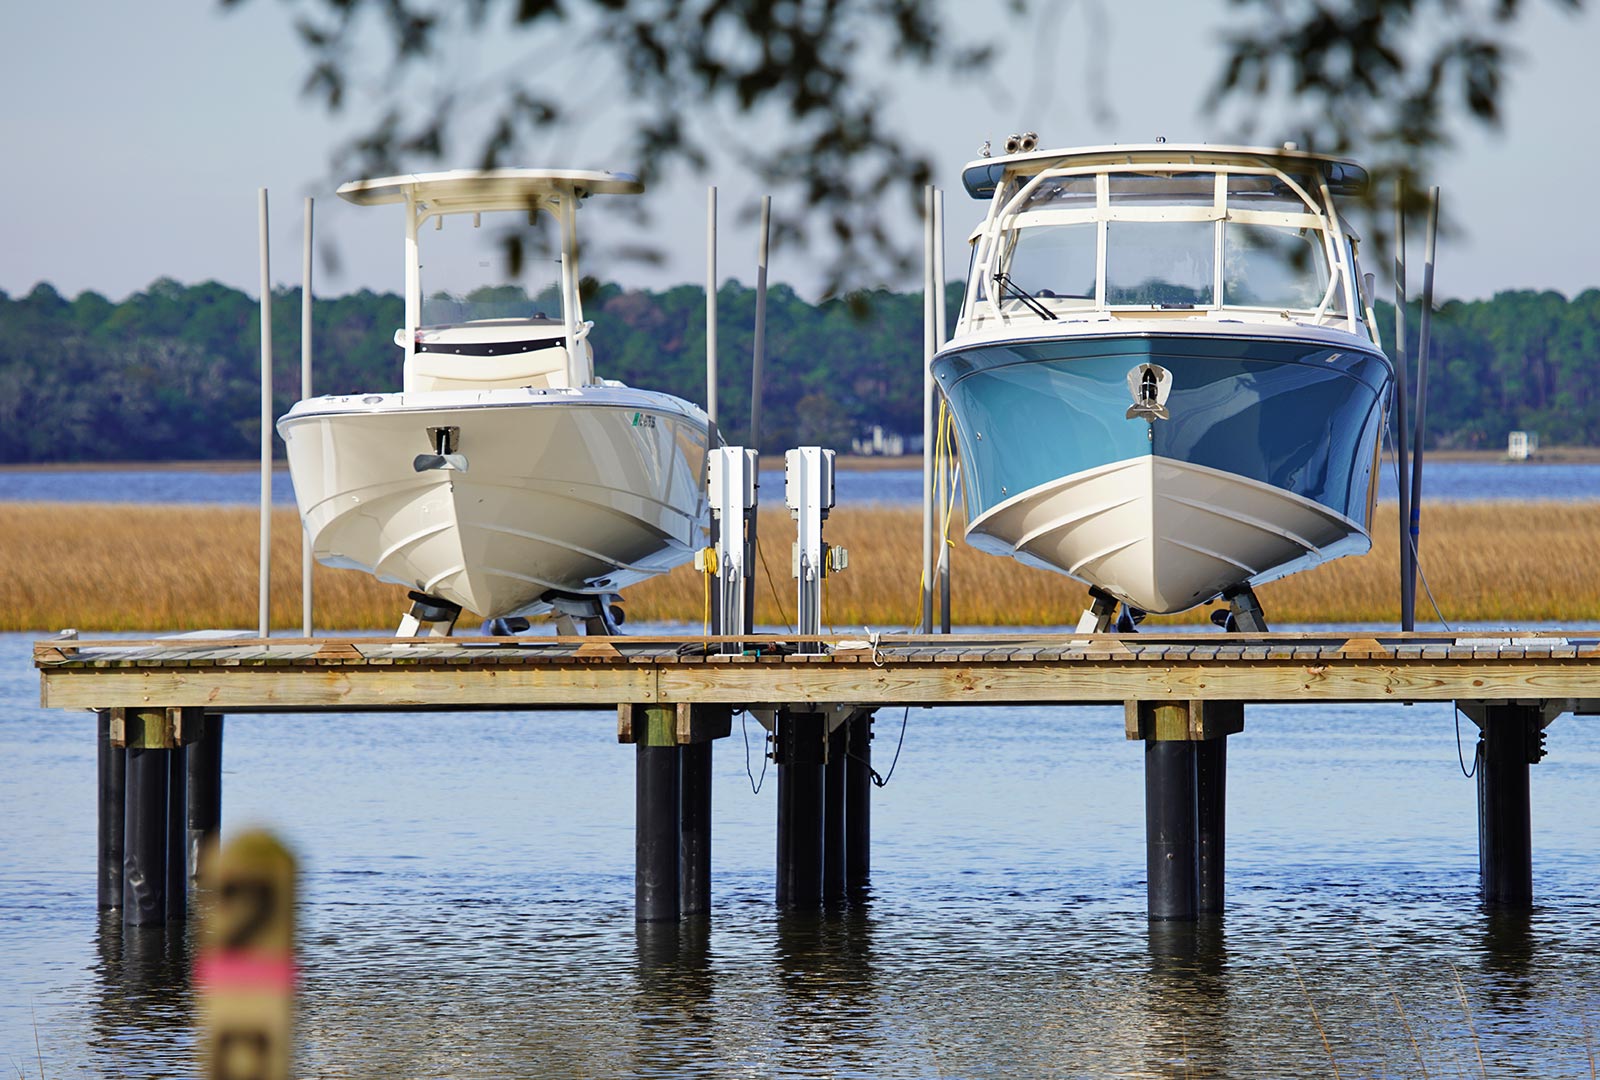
<point x="1002" y="279"/>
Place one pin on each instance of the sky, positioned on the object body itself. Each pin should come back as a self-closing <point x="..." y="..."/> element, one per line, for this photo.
<point x="137" y="136"/>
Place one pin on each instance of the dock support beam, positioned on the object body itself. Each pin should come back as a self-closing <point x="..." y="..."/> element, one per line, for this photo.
<point x="1169" y="828"/>
<point x="110" y="792"/>
<point x="834" y="848"/>
<point x="672" y="805"/>
<point x="800" y="747"/>
<point x="656" y="821"/>
<point x="1210" y="820"/>
<point x="144" y="875"/>
<point x="694" y="855"/>
<point x="858" y="806"/>
<point x="177" y="889"/>
<point x="204" y="789"/>
<point x="1510" y="739"/>
<point x="1185" y="793"/>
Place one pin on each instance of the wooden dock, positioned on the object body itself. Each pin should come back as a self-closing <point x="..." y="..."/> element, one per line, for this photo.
<point x="347" y="674"/>
<point x="162" y="703"/>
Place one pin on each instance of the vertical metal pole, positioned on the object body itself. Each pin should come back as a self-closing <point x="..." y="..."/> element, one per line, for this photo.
<point x="858" y="805"/>
<point x="306" y="561"/>
<point x="800" y="766"/>
<point x="656" y="798"/>
<point x="929" y="330"/>
<point x="833" y="817"/>
<point x="752" y="520"/>
<point x="1211" y="798"/>
<point x="205" y="789"/>
<point x="1169" y="808"/>
<point x="110" y="806"/>
<point x="575" y="368"/>
<point x="1505" y="832"/>
<point x="758" y="353"/>
<point x="946" y="479"/>
<point x="144" y="874"/>
<point x="177" y="869"/>
<point x="1419" y="427"/>
<point x="1402" y="408"/>
<point x="265" y="620"/>
<point x="711" y="303"/>
<point x="414" y="282"/>
<point x="694" y="853"/>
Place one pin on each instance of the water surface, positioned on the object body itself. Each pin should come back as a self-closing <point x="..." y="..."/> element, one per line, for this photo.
<point x="467" y="907"/>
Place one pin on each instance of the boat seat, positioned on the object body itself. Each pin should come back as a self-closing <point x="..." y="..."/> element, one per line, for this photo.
<point x="540" y="369"/>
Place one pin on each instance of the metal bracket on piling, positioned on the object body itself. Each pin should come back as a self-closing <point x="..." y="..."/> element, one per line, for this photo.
<point x="808" y="491"/>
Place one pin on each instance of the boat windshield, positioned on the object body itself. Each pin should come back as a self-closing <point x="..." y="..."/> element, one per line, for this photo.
<point x="1164" y="239"/>
<point x="468" y="273"/>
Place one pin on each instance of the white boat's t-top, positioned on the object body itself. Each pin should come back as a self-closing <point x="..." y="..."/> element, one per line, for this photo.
<point x="504" y="476"/>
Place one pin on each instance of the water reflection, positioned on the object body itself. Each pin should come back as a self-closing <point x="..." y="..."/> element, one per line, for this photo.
<point x="143" y="1005"/>
<point x="1186" y="1011"/>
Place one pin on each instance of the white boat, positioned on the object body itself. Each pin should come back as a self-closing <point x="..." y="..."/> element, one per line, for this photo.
<point x="1165" y="381"/>
<point x="504" y="477"/>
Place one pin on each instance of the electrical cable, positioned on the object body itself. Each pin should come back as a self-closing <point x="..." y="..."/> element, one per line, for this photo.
<point x="1459" y="756"/>
<point x="755" y="784"/>
<point x="773" y="585"/>
<point x="883" y="780"/>
<point x="1411" y="541"/>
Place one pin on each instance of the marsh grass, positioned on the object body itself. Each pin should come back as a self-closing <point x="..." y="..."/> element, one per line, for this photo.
<point x="139" y="567"/>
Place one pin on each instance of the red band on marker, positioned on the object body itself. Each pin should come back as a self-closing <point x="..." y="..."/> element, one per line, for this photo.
<point x="239" y="971"/>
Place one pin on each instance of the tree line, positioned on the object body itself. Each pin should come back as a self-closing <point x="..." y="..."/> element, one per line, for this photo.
<point x="172" y="373"/>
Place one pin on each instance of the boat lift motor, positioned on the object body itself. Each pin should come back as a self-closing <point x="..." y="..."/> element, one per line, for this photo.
<point x="808" y="491"/>
<point x="732" y="488"/>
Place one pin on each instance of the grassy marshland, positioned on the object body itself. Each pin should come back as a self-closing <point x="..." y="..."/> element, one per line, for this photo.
<point x="114" y="567"/>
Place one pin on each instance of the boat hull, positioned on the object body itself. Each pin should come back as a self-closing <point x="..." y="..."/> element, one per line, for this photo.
<point x="1262" y="465"/>
<point x="580" y="491"/>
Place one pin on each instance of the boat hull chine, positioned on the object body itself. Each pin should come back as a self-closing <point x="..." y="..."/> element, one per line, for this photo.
<point x="1164" y="535"/>
<point x="559" y="496"/>
<point x="1258" y="462"/>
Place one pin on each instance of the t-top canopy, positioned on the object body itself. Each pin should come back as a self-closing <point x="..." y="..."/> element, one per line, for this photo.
<point x="462" y="190"/>
<point x="1344" y="177"/>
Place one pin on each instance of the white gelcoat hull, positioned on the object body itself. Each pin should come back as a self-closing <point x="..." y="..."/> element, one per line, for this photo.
<point x="562" y="492"/>
<point x="1163" y="535"/>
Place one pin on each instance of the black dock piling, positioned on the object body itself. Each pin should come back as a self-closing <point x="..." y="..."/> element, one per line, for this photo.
<point x="834" y="849"/>
<point x="1185" y="801"/>
<point x="1211" y="804"/>
<point x="144" y="876"/>
<point x="799" y="743"/>
<point x="113" y="762"/>
<point x="1510" y="740"/>
<point x="1169" y="809"/>
<point x="858" y="805"/>
<point x="656" y="809"/>
<point x="694" y="863"/>
<point x="204" y="756"/>
<point x="177" y="887"/>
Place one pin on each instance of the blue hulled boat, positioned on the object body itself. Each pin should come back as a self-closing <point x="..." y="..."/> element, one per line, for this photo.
<point x="1164" y="379"/>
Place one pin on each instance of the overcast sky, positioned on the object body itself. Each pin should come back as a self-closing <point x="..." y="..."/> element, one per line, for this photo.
<point x="136" y="136"/>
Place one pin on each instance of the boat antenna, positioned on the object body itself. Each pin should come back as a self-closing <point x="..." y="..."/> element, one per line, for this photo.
<point x="1415" y="527"/>
<point x="1402" y="407"/>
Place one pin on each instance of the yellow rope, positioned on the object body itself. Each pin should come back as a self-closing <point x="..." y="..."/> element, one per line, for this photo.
<point x="709" y="563"/>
